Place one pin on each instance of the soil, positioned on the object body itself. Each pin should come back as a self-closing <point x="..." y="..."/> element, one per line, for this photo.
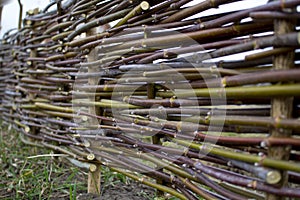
<point x="122" y="191"/>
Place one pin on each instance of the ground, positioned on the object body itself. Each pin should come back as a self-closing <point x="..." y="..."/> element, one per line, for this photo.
<point x="28" y="172"/>
<point x="121" y="191"/>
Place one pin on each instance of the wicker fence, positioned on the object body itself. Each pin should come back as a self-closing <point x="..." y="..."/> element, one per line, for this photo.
<point x="193" y="106"/>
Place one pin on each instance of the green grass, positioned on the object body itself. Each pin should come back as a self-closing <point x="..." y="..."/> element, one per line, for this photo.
<point x="28" y="172"/>
<point x="42" y="177"/>
<point x="110" y="178"/>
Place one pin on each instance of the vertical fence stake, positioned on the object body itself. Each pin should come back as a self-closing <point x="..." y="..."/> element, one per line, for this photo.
<point x="20" y="14"/>
<point x="283" y="106"/>
<point x="33" y="53"/>
<point x="155" y="138"/>
<point x="94" y="175"/>
<point x="94" y="179"/>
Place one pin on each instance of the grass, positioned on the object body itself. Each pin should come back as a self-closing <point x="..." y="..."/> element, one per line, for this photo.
<point x="28" y="172"/>
<point x="41" y="177"/>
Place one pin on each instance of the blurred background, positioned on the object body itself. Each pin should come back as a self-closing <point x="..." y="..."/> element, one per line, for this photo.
<point x="11" y="9"/>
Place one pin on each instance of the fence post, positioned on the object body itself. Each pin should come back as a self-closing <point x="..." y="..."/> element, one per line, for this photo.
<point x="155" y="138"/>
<point x="94" y="175"/>
<point x="32" y="64"/>
<point x="20" y="14"/>
<point x="281" y="107"/>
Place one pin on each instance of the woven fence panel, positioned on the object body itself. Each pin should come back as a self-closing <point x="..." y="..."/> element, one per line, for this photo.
<point x="207" y="105"/>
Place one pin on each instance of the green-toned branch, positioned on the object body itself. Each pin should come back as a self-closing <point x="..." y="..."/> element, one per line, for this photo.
<point x="136" y="11"/>
<point x="264" y="161"/>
